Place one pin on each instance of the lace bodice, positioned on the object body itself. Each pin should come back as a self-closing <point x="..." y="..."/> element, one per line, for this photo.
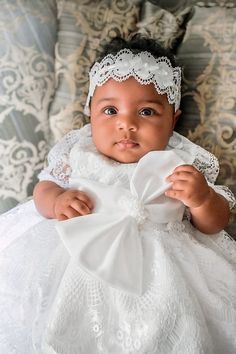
<point x="76" y="154"/>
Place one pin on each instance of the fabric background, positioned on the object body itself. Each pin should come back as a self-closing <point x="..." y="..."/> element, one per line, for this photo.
<point x="83" y="27"/>
<point x="208" y="56"/>
<point x="27" y="37"/>
<point x="177" y="5"/>
<point x="163" y="25"/>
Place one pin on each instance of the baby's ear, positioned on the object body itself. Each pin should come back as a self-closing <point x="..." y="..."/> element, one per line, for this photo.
<point x="176" y="116"/>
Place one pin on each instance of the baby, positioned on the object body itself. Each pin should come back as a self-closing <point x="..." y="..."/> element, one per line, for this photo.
<point x="133" y="111"/>
<point x="119" y="257"/>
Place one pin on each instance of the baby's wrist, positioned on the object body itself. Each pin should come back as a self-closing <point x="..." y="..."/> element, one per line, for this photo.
<point x="207" y="199"/>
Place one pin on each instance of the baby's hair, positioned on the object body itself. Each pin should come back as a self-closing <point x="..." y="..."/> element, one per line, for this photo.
<point x="137" y="43"/>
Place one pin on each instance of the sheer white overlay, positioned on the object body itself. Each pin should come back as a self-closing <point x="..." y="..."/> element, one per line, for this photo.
<point x="133" y="277"/>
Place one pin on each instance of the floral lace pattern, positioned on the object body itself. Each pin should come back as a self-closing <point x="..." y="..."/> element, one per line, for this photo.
<point x="77" y="148"/>
<point x="58" y="169"/>
<point x="27" y="38"/>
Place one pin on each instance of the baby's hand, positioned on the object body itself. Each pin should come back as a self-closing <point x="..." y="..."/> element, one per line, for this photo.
<point x="72" y="203"/>
<point x="189" y="186"/>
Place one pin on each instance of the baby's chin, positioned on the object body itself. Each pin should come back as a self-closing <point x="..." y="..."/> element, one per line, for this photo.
<point x="124" y="155"/>
<point x="126" y="158"/>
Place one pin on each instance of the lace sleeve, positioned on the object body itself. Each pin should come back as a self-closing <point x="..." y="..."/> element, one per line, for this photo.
<point x="195" y="155"/>
<point x="225" y="192"/>
<point x="58" y="168"/>
<point x="206" y="163"/>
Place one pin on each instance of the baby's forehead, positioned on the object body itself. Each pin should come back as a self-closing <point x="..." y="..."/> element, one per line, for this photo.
<point x="130" y="89"/>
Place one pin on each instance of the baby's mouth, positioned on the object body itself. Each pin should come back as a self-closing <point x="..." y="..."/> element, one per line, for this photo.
<point x="127" y="144"/>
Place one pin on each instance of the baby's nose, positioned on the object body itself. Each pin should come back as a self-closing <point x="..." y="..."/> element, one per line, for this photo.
<point x="127" y="123"/>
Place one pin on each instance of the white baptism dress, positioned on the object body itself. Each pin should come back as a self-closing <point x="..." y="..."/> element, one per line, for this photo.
<point x="132" y="277"/>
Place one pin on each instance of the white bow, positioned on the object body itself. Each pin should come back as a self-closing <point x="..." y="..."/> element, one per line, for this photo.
<point x="107" y="243"/>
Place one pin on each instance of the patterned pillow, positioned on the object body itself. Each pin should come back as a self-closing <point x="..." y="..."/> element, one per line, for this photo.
<point x="27" y="37"/>
<point x="166" y="27"/>
<point x="175" y="6"/>
<point x="84" y="25"/>
<point x="208" y="54"/>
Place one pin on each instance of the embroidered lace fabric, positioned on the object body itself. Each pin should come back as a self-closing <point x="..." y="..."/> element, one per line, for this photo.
<point x="50" y="305"/>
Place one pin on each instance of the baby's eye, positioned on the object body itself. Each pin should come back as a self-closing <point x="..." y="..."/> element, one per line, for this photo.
<point x="147" y="112"/>
<point x="110" y="111"/>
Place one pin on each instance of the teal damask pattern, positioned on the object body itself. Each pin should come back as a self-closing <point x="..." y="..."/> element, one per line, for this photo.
<point x="168" y="28"/>
<point x="28" y="32"/>
<point x="84" y="26"/>
<point x="178" y="5"/>
<point x="208" y="56"/>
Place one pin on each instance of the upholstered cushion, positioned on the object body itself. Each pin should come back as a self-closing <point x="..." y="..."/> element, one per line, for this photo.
<point x="178" y="5"/>
<point x="27" y="37"/>
<point x="84" y="26"/>
<point x="208" y="55"/>
<point x="164" y="26"/>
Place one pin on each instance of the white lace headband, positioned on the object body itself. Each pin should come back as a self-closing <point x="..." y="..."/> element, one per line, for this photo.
<point x="143" y="67"/>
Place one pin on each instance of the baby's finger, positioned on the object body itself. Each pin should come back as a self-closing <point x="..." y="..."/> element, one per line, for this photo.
<point x="175" y="194"/>
<point x="62" y="217"/>
<point x="185" y="168"/>
<point x="80" y="207"/>
<point x="179" y="185"/>
<point x="181" y="169"/>
<point x="70" y="212"/>
<point x="180" y="175"/>
<point x="84" y="198"/>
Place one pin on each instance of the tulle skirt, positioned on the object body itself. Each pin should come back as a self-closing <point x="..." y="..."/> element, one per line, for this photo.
<point x="49" y="305"/>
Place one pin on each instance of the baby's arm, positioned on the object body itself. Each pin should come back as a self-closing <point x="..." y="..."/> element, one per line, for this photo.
<point x="209" y="211"/>
<point x="53" y="201"/>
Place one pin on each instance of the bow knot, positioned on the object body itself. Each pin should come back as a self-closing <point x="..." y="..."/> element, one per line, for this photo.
<point x="134" y="207"/>
<point x="106" y="243"/>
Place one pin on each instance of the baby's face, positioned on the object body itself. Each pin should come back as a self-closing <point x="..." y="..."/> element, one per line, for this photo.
<point x="129" y="119"/>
